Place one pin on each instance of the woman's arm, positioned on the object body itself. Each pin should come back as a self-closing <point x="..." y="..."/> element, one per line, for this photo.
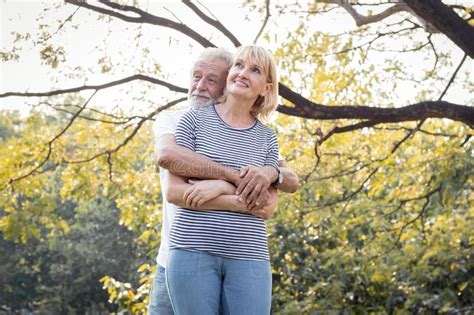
<point x="179" y="191"/>
<point x="224" y="200"/>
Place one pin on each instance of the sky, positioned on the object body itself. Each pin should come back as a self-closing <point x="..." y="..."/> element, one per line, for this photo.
<point x="30" y="75"/>
<point x="86" y="45"/>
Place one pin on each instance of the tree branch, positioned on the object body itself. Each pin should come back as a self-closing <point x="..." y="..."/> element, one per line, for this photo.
<point x="452" y="77"/>
<point x="265" y="20"/>
<point x="218" y="25"/>
<point x="131" y="135"/>
<point x="107" y="153"/>
<point x="142" y="77"/>
<point x="304" y="107"/>
<point x="446" y="21"/>
<point x="50" y="146"/>
<point x="307" y="109"/>
<point x="423" y="110"/>
<point x="143" y="17"/>
<point x="434" y="15"/>
<point x="362" y="19"/>
<point x="418" y="126"/>
<point x="363" y="124"/>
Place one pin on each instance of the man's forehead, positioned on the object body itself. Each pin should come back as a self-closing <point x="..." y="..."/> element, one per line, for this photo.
<point x="217" y="67"/>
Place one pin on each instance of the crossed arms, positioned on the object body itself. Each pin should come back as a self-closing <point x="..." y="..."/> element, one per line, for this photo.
<point x="248" y="190"/>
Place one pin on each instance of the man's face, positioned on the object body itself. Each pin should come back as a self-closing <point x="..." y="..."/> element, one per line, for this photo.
<point x="207" y="82"/>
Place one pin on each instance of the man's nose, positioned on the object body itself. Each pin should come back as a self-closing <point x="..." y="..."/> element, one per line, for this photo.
<point x="202" y="84"/>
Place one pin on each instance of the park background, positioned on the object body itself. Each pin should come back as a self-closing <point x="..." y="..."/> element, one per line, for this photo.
<point x="376" y="118"/>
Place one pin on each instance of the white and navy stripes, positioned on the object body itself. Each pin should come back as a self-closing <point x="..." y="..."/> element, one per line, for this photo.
<point x="224" y="233"/>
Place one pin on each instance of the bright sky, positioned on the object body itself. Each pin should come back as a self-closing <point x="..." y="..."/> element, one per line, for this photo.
<point x="30" y="75"/>
<point x="86" y="45"/>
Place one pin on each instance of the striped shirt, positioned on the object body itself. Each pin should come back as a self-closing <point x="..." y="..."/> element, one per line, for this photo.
<point x="224" y="233"/>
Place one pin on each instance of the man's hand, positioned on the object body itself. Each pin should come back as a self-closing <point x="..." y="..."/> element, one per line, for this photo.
<point x="266" y="212"/>
<point x="202" y="191"/>
<point x="261" y="200"/>
<point x="255" y="183"/>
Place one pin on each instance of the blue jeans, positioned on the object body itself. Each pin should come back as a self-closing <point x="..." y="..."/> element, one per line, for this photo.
<point x="204" y="284"/>
<point x="160" y="303"/>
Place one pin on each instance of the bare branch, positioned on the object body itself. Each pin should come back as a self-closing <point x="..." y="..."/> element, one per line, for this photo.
<point x="434" y="52"/>
<point x="142" y="77"/>
<point x="353" y="127"/>
<point x="107" y="153"/>
<point x="218" y="25"/>
<point x="116" y="120"/>
<point x="143" y="17"/>
<point x="452" y="77"/>
<point x="50" y="146"/>
<point x="444" y="19"/>
<point x="423" y="110"/>
<point x="307" y="109"/>
<point x="466" y="140"/>
<point x="412" y="132"/>
<point x="131" y="135"/>
<point x="362" y="19"/>
<point x="347" y="197"/>
<point x="436" y="134"/>
<point x="109" y="163"/>
<point x="427" y="196"/>
<point x="265" y="20"/>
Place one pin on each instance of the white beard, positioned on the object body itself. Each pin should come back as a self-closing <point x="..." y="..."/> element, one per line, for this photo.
<point x="196" y="102"/>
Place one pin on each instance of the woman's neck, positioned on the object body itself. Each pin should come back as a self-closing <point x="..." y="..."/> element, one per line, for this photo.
<point x="236" y="112"/>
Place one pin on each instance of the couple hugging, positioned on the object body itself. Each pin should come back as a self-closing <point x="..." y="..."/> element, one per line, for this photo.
<point x="213" y="257"/>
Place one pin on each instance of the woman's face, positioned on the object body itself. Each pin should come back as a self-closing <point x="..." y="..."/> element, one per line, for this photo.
<point x="247" y="79"/>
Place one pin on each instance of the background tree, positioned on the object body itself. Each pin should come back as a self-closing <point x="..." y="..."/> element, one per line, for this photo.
<point x="383" y="219"/>
<point x="57" y="268"/>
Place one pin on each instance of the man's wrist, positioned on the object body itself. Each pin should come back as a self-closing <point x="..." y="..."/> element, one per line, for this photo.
<point x="278" y="179"/>
<point x="232" y="176"/>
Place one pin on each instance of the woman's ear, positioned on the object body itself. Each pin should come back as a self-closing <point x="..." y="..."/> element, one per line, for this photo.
<point x="267" y="89"/>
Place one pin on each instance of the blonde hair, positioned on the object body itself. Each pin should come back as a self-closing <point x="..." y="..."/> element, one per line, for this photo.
<point x="263" y="106"/>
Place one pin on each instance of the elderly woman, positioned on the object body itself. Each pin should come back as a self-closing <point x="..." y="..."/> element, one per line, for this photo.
<point x="219" y="260"/>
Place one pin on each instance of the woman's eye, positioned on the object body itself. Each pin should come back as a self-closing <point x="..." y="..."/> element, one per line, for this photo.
<point x="256" y="70"/>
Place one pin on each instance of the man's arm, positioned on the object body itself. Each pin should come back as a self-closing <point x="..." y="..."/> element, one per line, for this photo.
<point x="185" y="162"/>
<point x="256" y="180"/>
<point x="290" y="180"/>
<point x="177" y="187"/>
<point x="267" y="211"/>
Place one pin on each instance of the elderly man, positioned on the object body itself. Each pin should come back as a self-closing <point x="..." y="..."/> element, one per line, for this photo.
<point x="208" y="79"/>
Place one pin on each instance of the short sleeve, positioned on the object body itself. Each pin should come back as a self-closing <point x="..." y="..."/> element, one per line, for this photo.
<point x="186" y="130"/>
<point x="273" y="155"/>
<point x="165" y="123"/>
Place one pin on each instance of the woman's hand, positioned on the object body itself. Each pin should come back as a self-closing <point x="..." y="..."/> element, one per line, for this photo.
<point x="202" y="191"/>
